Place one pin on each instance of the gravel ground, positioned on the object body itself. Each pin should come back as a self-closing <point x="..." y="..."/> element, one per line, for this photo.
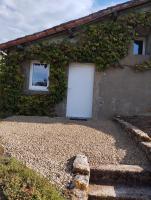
<point x="48" y="144"/>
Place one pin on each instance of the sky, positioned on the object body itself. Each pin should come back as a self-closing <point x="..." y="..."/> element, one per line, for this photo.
<point x="22" y="17"/>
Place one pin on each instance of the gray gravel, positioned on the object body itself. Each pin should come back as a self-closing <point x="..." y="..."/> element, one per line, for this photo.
<point x="47" y="144"/>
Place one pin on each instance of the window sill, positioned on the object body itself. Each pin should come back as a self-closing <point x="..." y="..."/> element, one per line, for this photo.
<point x="39" y="89"/>
<point x="35" y="92"/>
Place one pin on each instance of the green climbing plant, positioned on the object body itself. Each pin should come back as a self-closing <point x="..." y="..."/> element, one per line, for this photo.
<point x="104" y="44"/>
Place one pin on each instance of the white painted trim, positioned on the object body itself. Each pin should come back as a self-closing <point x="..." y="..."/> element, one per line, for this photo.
<point x="78" y="89"/>
<point x="144" y="46"/>
<point x="37" y="88"/>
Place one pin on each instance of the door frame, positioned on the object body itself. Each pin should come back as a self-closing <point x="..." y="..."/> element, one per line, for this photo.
<point x="80" y="63"/>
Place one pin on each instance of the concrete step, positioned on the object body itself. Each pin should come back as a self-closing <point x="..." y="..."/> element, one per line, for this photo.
<point x="121" y="174"/>
<point x="100" y="192"/>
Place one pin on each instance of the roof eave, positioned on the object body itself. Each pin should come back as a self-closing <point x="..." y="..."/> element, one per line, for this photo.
<point x="72" y="24"/>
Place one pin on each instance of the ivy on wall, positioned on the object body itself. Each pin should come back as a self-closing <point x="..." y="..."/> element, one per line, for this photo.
<point x="104" y="44"/>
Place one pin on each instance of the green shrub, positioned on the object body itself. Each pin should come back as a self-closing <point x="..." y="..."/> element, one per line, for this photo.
<point x="21" y="183"/>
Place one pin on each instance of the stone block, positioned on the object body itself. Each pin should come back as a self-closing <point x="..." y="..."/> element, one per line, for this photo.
<point x="81" y="165"/>
<point x="146" y="146"/>
<point x="136" y="132"/>
<point x="81" y="182"/>
<point x="79" y="195"/>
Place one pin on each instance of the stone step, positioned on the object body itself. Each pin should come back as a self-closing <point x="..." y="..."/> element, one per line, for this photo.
<point x="100" y="192"/>
<point x="121" y="174"/>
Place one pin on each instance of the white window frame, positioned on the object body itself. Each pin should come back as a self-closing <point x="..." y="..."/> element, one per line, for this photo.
<point x="144" y="46"/>
<point x="37" y="88"/>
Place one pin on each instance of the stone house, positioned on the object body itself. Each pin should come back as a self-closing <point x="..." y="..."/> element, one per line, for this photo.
<point x="93" y="94"/>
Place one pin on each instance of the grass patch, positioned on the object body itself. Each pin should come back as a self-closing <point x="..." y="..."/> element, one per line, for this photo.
<point x="17" y="182"/>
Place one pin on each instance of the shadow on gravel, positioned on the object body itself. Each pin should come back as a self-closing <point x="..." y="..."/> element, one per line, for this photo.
<point x="69" y="165"/>
<point x="134" y="155"/>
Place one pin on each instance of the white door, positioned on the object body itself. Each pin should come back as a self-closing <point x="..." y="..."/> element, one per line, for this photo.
<point x="80" y="90"/>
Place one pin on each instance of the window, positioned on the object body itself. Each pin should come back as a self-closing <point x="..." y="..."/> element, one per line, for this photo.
<point x="39" y="77"/>
<point x="139" y="47"/>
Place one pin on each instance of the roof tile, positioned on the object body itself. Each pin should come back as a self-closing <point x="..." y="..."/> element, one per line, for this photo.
<point x="71" y="24"/>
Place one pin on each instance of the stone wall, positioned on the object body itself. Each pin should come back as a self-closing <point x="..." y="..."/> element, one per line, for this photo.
<point x="121" y="92"/>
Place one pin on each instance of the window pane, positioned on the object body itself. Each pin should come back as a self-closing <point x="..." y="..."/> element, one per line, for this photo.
<point x="40" y="75"/>
<point x="138" y="47"/>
